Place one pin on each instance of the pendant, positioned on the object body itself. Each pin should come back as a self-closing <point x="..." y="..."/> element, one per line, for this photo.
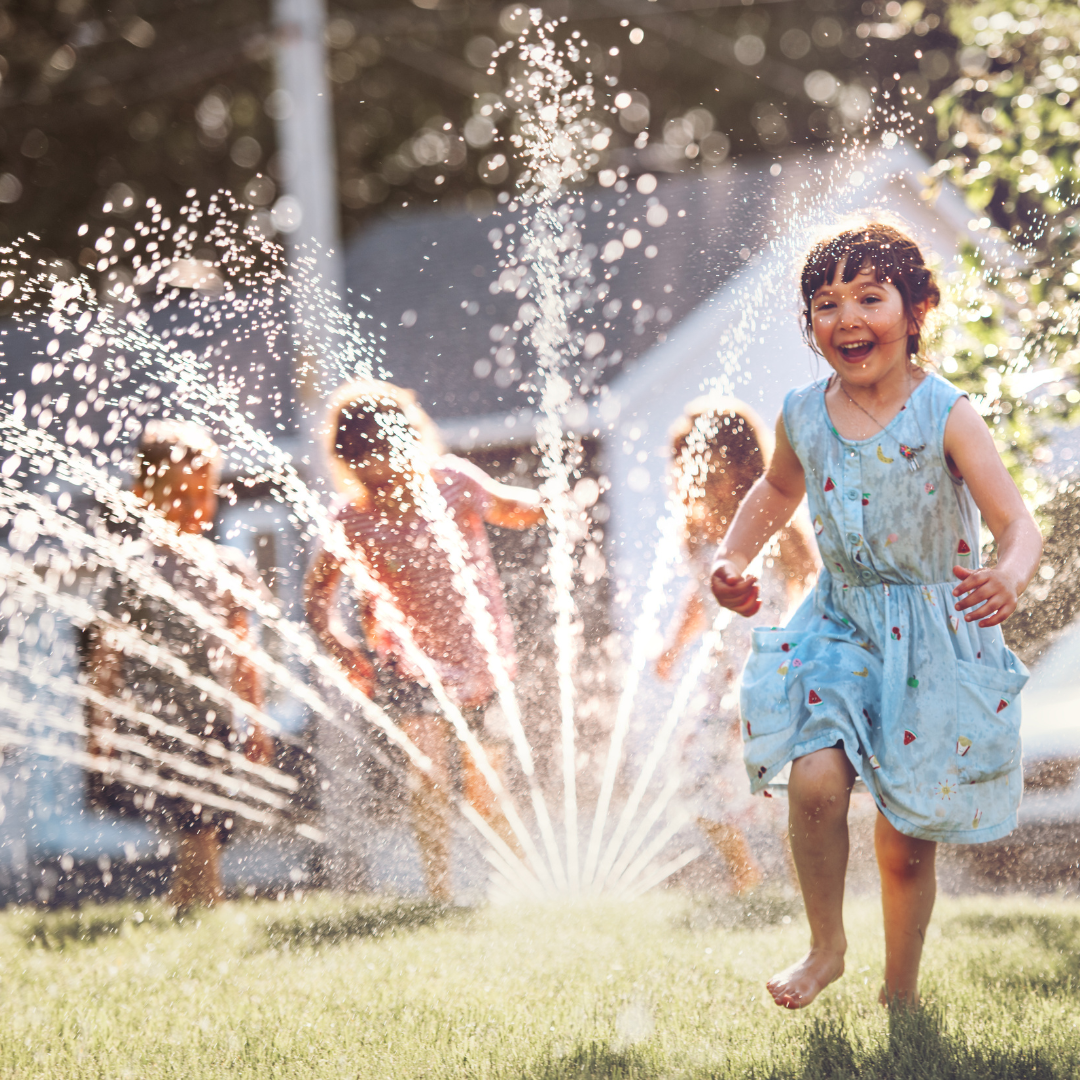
<point x="909" y="454"/>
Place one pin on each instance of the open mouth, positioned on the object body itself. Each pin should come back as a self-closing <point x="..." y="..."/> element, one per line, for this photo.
<point x="856" y="350"/>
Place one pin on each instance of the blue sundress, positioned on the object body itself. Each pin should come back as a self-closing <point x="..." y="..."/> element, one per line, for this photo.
<point x="926" y="705"/>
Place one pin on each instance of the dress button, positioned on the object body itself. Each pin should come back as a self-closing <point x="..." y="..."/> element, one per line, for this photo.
<point x="853" y="538"/>
<point x="868" y="575"/>
<point x="852" y="494"/>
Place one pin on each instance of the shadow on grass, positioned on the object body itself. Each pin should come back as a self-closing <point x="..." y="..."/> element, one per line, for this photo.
<point x="593" y="1060"/>
<point x="917" y="1046"/>
<point x="1057" y="933"/>
<point x="749" y="912"/>
<point x="362" y="919"/>
<point x="85" y="926"/>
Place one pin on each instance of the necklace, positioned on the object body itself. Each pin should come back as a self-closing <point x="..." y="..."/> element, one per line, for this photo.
<point x="908" y="453"/>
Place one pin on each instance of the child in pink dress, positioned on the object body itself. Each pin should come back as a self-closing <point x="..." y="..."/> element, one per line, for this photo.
<point x="383" y="450"/>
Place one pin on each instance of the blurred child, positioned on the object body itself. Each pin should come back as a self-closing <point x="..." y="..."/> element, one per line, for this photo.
<point x="383" y="449"/>
<point x="894" y="668"/>
<point x="719" y="448"/>
<point x="177" y="472"/>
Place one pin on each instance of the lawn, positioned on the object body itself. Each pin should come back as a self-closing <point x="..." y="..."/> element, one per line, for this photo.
<point x="666" y="987"/>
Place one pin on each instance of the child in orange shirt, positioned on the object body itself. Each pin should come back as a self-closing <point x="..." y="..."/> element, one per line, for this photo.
<point x="178" y="467"/>
<point x="383" y="449"/>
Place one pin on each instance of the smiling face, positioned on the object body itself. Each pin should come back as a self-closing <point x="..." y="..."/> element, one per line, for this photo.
<point x="861" y="326"/>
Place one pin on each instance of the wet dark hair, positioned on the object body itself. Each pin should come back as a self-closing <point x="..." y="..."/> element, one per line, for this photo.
<point x="359" y="432"/>
<point x="168" y="443"/>
<point x="734" y="439"/>
<point x="894" y="257"/>
<point x="364" y="413"/>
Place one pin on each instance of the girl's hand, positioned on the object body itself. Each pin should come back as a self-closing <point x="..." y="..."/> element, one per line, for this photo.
<point x="989" y="591"/>
<point x="361" y="673"/>
<point x="733" y="590"/>
<point x="259" y="746"/>
<point x="665" y="663"/>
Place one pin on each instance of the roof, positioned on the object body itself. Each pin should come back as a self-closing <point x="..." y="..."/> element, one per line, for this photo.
<point x="446" y="300"/>
<point x="442" y="269"/>
<point x="749" y="326"/>
<point x="436" y="284"/>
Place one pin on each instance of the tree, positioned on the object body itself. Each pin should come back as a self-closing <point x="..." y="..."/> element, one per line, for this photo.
<point x="108" y="101"/>
<point x="1010" y="138"/>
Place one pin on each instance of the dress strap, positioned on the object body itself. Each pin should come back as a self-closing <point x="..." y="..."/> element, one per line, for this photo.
<point x="933" y="412"/>
<point x="800" y="409"/>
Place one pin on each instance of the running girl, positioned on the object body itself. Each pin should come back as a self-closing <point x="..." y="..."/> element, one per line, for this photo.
<point x="894" y="667"/>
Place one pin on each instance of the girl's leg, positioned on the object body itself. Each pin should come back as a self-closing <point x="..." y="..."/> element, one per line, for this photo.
<point x="429" y="800"/>
<point x="196" y="879"/>
<point x="716" y="751"/>
<point x="482" y="799"/>
<point x="733" y="848"/>
<point x="908" y="888"/>
<point x="818" y="794"/>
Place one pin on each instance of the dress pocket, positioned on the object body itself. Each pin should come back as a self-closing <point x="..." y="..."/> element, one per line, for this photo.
<point x="988" y="719"/>
<point x="763" y="694"/>
<point x="774" y="639"/>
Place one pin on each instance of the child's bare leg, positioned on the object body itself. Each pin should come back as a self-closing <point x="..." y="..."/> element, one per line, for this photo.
<point x="818" y="793"/>
<point x="429" y="801"/>
<point x="908" y="888"/>
<point x="731" y="843"/>
<point x="196" y="878"/>
<point x="482" y="799"/>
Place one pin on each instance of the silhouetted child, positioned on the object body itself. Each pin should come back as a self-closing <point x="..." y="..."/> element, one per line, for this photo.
<point x="719" y="448"/>
<point x="174" y="765"/>
<point x="383" y="449"/>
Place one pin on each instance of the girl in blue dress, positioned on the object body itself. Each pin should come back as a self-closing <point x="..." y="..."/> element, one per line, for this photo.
<point x="894" y="668"/>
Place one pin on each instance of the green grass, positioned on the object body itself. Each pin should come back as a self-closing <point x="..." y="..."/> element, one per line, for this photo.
<point x="667" y="987"/>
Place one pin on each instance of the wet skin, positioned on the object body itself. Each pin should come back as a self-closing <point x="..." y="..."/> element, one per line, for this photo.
<point x="861" y="329"/>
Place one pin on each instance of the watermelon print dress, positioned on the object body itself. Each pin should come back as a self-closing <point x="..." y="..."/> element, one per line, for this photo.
<point x="877" y="659"/>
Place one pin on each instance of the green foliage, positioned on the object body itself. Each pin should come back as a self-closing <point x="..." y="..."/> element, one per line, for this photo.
<point x="1010" y="139"/>
<point x="106" y="102"/>
<point x="363" y="988"/>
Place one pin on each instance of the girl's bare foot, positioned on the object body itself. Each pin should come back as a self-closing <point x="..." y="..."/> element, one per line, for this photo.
<point x="898" y="1001"/>
<point x="796" y="986"/>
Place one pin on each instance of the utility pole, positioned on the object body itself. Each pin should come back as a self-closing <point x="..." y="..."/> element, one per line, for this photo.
<point x="307" y="211"/>
<point x="307" y="215"/>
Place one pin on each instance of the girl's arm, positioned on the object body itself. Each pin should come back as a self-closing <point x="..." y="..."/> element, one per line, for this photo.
<point x="247" y="684"/>
<point x="320" y="585"/>
<point x="512" y="507"/>
<point x="102" y="675"/>
<point x="504" y="505"/>
<point x="692" y="622"/>
<point x="992" y="592"/>
<point x="767" y="507"/>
